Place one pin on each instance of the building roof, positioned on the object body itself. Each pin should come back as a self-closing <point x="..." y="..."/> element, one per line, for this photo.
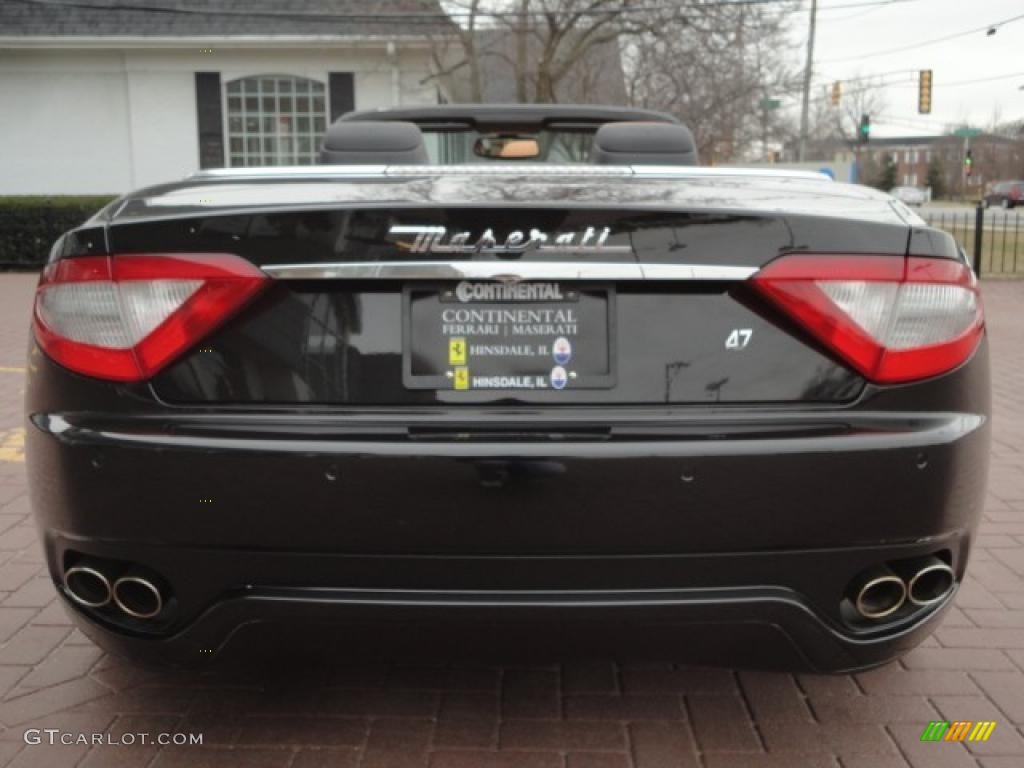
<point x="221" y="18"/>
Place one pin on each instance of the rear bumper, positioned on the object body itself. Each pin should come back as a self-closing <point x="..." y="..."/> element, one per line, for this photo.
<point x="755" y="627"/>
<point x="687" y="542"/>
<point x="734" y="531"/>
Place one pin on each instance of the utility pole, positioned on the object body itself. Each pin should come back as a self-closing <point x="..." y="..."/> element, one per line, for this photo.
<point x="521" y="50"/>
<point x="966" y="133"/>
<point x="963" y="167"/>
<point x="808" y="72"/>
<point x="764" y="131"/>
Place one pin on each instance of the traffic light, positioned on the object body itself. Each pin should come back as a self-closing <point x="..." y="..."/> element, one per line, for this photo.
<point x="924" y="92"/>
<point x="864" y="129"/>
<point x="837" y="93"/>
<point x="969" y="161"/>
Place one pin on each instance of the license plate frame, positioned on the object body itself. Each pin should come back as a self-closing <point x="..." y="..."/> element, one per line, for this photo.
<point x="585" y="297"/>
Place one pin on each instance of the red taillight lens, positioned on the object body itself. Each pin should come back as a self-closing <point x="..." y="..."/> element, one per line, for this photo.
<point x="126" y="317"/>
<point x="892" y="319"/>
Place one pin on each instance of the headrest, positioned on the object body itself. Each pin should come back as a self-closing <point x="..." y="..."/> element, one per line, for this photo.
<point x="643" y="144"/>
<point x="374" y="142"/>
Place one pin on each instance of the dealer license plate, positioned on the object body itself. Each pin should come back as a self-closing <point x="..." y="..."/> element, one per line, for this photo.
<point x="482" y="335"/>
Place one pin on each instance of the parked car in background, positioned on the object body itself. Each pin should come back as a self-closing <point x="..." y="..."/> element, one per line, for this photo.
<point x="1006" y="194"/>
<point x="909" y="195"/>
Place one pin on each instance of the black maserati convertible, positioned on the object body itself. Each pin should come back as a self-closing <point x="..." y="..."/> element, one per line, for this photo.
<point x="488" y="366"/>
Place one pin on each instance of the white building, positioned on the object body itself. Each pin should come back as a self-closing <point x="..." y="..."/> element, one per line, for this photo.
<point x="105" y="100"/>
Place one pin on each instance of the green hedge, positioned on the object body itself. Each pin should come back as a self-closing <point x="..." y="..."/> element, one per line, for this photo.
<point x="29" y="225"/>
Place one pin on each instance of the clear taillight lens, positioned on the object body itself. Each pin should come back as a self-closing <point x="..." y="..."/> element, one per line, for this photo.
<point x="126" y="317"/>
<point x="893" y="319"/>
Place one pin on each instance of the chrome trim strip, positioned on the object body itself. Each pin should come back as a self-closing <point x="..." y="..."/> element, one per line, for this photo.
<point x="510" y="170"/>
<point x="292" y="172"/>
<point x="696" y="272"/>
<point x="721" y="171"/>
<point x="503" y="270"/>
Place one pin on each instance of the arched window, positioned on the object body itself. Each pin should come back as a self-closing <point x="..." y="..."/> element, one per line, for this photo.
<point x="275" y="120"/>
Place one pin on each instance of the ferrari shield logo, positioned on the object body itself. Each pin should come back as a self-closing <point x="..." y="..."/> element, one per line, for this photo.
<point x="457" y="351"/>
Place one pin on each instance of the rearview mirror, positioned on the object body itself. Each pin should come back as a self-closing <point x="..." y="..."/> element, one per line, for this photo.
<point x="498" y="147"/>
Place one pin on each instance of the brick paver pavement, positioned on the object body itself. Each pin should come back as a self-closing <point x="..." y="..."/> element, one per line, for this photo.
<point x="593" y="714"/>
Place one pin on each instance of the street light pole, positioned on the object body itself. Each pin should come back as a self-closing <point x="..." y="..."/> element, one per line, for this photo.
<point x="808" y="71"/>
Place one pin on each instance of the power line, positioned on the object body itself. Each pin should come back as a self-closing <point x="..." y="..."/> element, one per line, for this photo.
<point x="940" y="84"/>
<point x="955" y="35"/>
<point x="825" y="79"/>
<point x="875" y="5"/>
<point x="916" y="122"/>
<point x="429" y="16"/>
<point x="858" y="14"/>
<point x="904" y="123"/>
<point x="871" y="84"/>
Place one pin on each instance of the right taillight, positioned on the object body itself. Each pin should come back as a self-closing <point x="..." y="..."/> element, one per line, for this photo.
<point x="891" y="318"/>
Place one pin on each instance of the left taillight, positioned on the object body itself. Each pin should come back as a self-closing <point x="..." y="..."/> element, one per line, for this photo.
<point x="125" y="317"/>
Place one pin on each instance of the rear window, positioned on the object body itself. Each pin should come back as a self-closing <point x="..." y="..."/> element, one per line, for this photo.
<point x="554" y="145"/>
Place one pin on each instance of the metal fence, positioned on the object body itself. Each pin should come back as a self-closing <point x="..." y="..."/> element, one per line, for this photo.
<point x="992" y="238"/>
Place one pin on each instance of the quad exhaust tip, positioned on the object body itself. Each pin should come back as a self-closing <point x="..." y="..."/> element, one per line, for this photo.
<point x="97" y="584"/>
<point x="878" y="593"/>
<point x="88" y="586"/>
<point x="931" y="582"/>
<point x="882" y="590"/>
<point x="137" y="596"/>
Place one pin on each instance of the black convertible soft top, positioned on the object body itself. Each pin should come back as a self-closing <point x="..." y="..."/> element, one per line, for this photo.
<point x="512" y="116"/>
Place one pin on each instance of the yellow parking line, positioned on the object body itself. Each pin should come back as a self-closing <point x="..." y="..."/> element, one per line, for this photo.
<point x="9" y="369"/>
<point x="12" y="445"/>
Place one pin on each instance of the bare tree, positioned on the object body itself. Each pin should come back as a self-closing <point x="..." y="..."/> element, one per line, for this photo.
<point x="547" y="48"/>
<point x="863" y="96"/>
<point x="569" y="29"/>
<point x="714" y="66"/>
<point x="455" y="51"/>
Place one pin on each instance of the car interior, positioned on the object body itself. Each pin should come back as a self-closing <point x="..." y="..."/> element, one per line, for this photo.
<point x="398" y="142"/>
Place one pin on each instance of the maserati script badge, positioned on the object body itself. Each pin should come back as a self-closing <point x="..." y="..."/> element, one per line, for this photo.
<point x="435" y="239"/>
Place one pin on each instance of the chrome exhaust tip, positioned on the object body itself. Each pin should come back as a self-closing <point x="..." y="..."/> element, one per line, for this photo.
<point x="137" y="596"/>
<point x="931" y="582"/>
<point x="87" y="586"/>
<point x="878" y="593"/>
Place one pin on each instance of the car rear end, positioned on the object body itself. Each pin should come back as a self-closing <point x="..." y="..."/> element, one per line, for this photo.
<point x="662" y="401"/>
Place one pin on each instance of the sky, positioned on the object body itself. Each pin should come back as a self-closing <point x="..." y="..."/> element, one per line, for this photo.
<point x="851" y="42"/>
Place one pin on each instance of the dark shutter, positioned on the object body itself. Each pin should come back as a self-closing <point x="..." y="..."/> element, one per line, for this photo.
<point x="342" y="92"/>
<point x="210" y="120"/>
